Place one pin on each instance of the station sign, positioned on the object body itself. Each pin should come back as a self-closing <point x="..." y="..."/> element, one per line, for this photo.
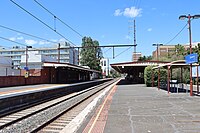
<point x="191" y="58"/>
<point x="26" y="68"/>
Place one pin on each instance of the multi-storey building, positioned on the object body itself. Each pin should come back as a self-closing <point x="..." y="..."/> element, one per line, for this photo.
<point x="65" y="54"/>
<point x="165" y="50"/>
<point x="136" y="56"/>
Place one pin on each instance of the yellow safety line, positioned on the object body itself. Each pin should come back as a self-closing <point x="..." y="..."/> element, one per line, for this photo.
<point x="92" y="126"/>
<point x="27" y="89"/>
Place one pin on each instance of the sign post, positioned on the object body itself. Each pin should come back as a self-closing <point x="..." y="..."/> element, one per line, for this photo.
<point x="191" y="58"/>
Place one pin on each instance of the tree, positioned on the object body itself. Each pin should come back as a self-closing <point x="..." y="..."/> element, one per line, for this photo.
<point x="145" y="58"/>
<point x="197" y="50"/>
<point x="90" y="53"/>
<point x="114" y="73"/>
<point x="148" y="76"/>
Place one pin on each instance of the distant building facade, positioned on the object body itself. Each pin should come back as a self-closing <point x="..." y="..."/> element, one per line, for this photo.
<point x="136" y="56"/>
<point x="35" y="60"/>
<point x="66" y="54"/>
<point x="6" y="67"/>
<point x="104" y="63"/>
<point x="166" y="50"/>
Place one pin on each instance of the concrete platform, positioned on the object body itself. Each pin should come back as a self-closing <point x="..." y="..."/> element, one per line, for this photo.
<point x="138" y="109"/>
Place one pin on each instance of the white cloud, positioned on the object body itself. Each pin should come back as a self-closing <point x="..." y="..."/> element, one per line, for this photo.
<point x="103" y="36"/>
<point x="62" y="40"/>
<point x="12" y="38"/>
<point x="149" y="29"/>
<point x="30" y="42"/>
<point x="127" y="37"/>
<point x="20" y="38"/>
<point x="131" y="12"/>
<point x="54" y="40"/>
<point x="43" y="42"/>
<point x="153" y="8"/>
<point x="118" y="12"/>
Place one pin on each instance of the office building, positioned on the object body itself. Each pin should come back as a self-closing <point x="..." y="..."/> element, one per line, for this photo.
<point x="166" y="50"/>
<point x="65" y="54"/>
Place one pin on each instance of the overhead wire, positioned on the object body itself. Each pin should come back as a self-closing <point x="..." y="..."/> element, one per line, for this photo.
<point x="106" y="50"/>
<point x="19" y="44"/>
<point x="16" y="42"/>
<point x="33" y="49"/>
<point x="42" y="22"/>
<point x="12" y="41"/>
<point x="123" y="51"/>
<point x="11" y="29"/>
<point x="56" y="17"/>
<point x="176" y="35"/>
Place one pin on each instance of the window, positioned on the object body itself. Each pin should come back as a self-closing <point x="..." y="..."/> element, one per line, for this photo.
<point x="104" y="62"/>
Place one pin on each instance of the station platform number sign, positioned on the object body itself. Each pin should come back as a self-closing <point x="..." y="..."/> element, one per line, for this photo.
<point x="26" y="74"/>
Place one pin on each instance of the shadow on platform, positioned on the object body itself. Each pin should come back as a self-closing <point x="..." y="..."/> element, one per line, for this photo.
<point x="176" y="90"/>
<point x="127" y="82"/>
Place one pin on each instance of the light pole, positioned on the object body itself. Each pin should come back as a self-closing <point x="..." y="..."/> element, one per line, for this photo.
<point x="189" y="17"/>
<point x="58" y="52"/>
<point x="157" y="58"/>
<point x="26" y="53"/>
<point x="157" y="45"/>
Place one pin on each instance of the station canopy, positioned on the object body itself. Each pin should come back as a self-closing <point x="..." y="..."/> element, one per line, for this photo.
<point x="129" y="67"/>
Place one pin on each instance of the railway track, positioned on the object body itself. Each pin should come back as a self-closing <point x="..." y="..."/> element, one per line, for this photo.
<point x="51" y="116"/>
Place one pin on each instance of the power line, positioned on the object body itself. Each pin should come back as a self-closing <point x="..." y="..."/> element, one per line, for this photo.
<point x="123" y="51"/>
<point x="139" y="4"/>
<point x="176" y="35"/>
<point x="26" y="34"/>
<point x="12" y="41"/>
<point x="41" y="21"/>
<point x="55" y="17"/>
<point x="106" y="50"/>
<point x="19" y="44"/>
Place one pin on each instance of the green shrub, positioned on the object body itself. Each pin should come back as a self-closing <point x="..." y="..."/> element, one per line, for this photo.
<point x="148" y="76"/>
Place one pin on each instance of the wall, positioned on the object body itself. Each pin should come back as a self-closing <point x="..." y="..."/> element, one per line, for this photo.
<point x="6" y="81"/>
<point x="47" y="75"/>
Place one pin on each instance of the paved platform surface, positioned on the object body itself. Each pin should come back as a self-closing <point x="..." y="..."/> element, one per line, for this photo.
<point x="139" y="109"/>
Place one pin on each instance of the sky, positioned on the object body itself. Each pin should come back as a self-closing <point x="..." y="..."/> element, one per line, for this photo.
<point x="107" y="21"/>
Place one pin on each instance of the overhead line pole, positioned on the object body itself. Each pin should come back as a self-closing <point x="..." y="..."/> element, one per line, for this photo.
<point x="134" y="41"/>
<point x="103" y="46"/>
<point x="58" y="52"/>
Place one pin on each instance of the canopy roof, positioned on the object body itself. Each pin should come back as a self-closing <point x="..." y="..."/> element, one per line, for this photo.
<point x="175" y="64"/>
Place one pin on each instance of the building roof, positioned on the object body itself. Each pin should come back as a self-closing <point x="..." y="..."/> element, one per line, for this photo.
<point x="56" y="65"/>
<point x="123" y="67"/>
<point x="174" y="64"/>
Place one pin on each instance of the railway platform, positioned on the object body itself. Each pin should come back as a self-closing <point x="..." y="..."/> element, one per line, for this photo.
<point x="13" y="98"/>
<point x="135" y="108"/>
